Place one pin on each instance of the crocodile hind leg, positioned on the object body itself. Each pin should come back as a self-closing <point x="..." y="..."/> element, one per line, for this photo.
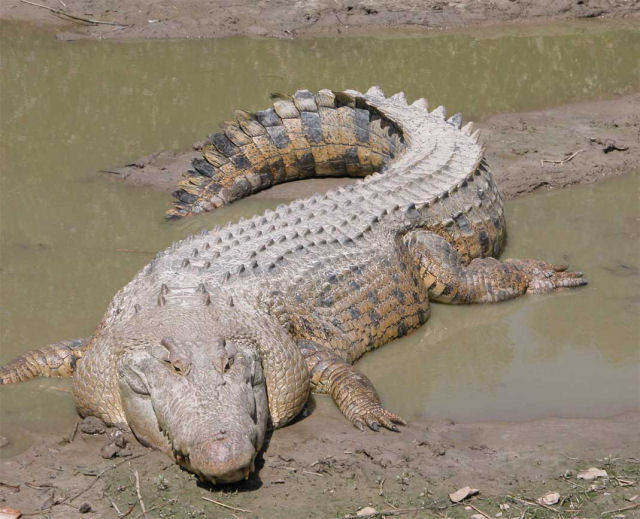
<point x="352" y="392"/>
<point x="484" y="280"/>
<point x="56" y="360"/>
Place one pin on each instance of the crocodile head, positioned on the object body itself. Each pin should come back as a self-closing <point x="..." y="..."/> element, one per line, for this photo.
<point x="201" y="400"/>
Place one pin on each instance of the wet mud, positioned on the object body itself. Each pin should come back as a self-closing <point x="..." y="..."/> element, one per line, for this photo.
<point x="142" y="19"/>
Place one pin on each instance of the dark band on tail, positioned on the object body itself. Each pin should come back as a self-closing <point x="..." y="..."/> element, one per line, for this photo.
<point x="56" y="360"/>
<point x="303" y="136"/>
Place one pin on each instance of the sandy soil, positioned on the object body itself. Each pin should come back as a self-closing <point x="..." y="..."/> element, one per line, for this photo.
<point x="547" y="149"/>
<point x="288" y="19"/>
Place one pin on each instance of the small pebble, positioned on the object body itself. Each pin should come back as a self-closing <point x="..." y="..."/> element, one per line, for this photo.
<point x="92" y="425"/>
<point x="109" y="451"/>
<point x="84" y="508"/>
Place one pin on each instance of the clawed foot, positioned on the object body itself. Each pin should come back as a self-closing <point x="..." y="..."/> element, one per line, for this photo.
<point x="545" y="277"/>
<point x="374" y="416"/>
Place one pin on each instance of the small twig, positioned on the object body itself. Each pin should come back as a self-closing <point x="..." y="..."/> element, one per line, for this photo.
<point x="624" y="508"/>
<point x="72" y="436"/>
<point x="535" y="504"/>
<point x="113" y="504"/>
<point x="108" y="171"/>
<point x="73" y="16"/>
<point x="229" y="507"/>
<point x="102" y="474"/>
<point x="561" y="162"/>
<point x="480" y="511"/>
<point x="12" y="488"/>
<point x="383" y="513"/>
<point x="312" y="473"/>
<point x="62" y="3"/>
<point x="128" y="511"/>
<point x="137" y="477"/>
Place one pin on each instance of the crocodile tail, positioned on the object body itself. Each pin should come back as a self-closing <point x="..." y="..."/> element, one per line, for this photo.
<point x="56" y="360"/>
<point x="302" y="136"/>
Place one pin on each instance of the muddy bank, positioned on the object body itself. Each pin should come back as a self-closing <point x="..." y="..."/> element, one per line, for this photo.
<point x="284" y="19"/>
<point x="322" y="467"/>
<point x="577" y="143"/>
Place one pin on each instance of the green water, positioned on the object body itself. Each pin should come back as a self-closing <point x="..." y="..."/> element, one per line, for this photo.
<point x="68" y="109"/>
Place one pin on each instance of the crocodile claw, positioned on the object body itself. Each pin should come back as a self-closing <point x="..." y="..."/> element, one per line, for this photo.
<point x="545" y="277"/>
<point x="376" y="417"/>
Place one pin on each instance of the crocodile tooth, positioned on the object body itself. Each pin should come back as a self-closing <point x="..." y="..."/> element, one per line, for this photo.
<point x="455" y="120"/>
<point x="475" y="136"/>
<point x="467" y="129"/>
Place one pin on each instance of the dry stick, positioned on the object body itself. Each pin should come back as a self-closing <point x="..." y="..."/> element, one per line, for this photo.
<point x="128" y="511"/>
<point x="113" y="504"/>
<point x="630" y="507"/>
<point x="383" y="513"/>
<point x="229" y="507"/>
<point x="144" y="510"/>
<point x="73" y="16"/>
<point x="536" y="504"/>
<point x="480" y="511"/>
<point x="312" y="473"/>
<point x="561" y="162"/>
<point x="74" y="432"/>
<point x="103" y="473"/>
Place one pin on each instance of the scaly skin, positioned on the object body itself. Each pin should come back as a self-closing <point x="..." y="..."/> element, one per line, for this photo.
<point x="288" y="300"/>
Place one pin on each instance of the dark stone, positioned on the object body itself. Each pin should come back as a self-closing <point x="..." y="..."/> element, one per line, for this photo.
<point x="85" y="508"/>
<point x="332" y="278"/>
<point x="110" y="450"/>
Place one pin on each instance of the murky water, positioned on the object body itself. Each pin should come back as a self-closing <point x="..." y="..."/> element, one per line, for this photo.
<point x="69" y="239"/>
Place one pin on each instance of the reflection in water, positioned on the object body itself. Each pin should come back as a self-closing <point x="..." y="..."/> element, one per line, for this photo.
<point x="70" y="109"/>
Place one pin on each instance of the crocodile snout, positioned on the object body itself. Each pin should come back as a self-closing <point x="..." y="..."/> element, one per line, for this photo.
<point x="224" y="457"/>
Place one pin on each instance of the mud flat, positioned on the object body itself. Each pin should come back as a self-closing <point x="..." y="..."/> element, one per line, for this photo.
<point x="322" y="467"/>
<point x="140" y="19"/>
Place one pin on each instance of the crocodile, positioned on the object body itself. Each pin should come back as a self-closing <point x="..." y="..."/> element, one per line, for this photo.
<point x="225" y="333"/>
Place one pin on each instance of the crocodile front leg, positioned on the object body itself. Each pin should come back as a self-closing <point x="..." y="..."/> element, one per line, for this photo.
<point x="352" y="392"/>
<point x="484" y="280"/>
